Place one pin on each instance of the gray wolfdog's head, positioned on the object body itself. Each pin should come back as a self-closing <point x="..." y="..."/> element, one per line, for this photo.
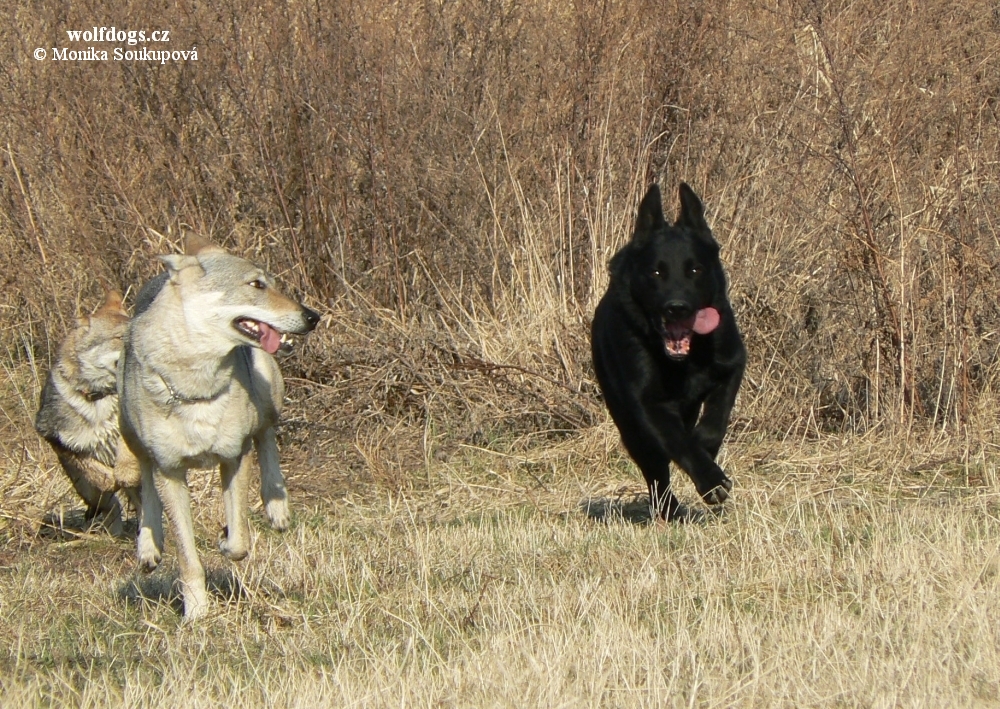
<point x="89" y="355"/>
<point x="226" y="295"/>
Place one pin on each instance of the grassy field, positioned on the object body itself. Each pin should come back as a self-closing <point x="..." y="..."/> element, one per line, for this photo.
<point x="841" y="574"/>
<point x="445" y="183"/>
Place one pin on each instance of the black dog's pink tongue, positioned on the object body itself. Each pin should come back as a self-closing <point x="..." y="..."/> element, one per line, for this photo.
<point x="270" y="340"/>
<point x="706" y="320"/>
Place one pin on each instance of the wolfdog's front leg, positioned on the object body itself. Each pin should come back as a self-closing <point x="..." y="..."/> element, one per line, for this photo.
<point x="176" y="498"/>
<point x="273" y="492"/>
<point x="149" y="544"/>
<point x="235" y="483"/>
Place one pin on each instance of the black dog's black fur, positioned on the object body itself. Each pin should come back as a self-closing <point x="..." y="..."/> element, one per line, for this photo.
<point x="657" y="365"/>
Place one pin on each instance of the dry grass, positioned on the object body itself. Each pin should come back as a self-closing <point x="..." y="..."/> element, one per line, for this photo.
<point x="830" y="581"/>
<point x="446" y="183"/>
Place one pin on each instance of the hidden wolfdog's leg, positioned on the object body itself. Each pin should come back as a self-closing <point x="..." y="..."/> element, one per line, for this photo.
<point x="176" y="499"/>
<point x="149" y="544"/>
<point x="95" y="483"/>
<point x="135" y="501"/>
<point x="273" y="492"/>
<point x="235" y="483"/>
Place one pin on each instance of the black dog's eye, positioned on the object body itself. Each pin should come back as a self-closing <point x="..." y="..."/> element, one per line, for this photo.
<point x="259" y="284"/>
<point x="660" y="271"/>
<point x="695" y="270"/>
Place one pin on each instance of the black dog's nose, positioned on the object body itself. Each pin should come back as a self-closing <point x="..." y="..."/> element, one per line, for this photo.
<point x="677" y="310"/>
<point x="311" y="317"/>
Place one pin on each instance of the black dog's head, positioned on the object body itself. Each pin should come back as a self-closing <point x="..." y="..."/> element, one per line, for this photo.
<point x="674" y="272"/>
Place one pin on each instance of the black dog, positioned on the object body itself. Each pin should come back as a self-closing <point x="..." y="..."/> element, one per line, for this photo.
<point x="666" y="349"/>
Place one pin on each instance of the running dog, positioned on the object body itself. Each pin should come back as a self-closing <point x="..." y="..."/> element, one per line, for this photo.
<point x="667" y="352"/>
<point x="198" y="385"/>
<point x="78" y="414"/>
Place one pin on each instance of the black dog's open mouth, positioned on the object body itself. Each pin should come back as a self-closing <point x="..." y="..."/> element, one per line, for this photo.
<point x="677" y="334"/>
<point x="677" y="337"/>
<point x="270" y="339"/>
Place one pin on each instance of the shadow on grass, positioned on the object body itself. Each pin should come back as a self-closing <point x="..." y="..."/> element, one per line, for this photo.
<point x="635" y="510"/>
<point x="164" y="587"/>
<point x="67" y="525"/>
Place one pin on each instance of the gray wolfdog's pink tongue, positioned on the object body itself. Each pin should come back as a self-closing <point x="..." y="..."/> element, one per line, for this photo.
<point x="270" y="340"/>
<point x="706" y="320"/>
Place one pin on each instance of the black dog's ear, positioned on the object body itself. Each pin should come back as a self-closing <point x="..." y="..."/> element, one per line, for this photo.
<point x="650" y="212"/>
<point x="692" y="212"/>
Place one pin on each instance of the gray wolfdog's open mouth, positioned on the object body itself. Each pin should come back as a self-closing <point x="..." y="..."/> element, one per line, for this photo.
<point x="677" y="335"/>
<point x="271" y="339"/>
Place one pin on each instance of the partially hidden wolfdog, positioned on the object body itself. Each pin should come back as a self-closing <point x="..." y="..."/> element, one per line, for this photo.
<point x="199" y="385"/>
<point x="667" y="352"/>
<point x="78" y="414"/>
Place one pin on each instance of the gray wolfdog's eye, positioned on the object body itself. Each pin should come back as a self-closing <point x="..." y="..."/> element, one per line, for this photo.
<point x="259" y="284"/>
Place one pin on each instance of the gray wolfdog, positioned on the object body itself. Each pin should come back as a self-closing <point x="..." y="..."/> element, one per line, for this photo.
<point x="199" y="385"/>
<point x="667" y="352"/>
<point x="78" y="414"/>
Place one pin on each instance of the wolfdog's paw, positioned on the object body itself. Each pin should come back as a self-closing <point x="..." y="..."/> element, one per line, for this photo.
<point x="278" y="514"/>
<point x="234" y="551"/>
<point x="147" y="551"/>
<point x="195" y="605"/>
<point x="110" y="520"/>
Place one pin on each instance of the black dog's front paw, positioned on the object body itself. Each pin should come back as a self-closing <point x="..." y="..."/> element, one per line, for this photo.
<point x="718" y="495"/>
<point x="714" y="488"/>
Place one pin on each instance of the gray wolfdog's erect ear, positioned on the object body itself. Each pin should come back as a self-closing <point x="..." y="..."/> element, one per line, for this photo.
<point x="195" y="245"/>
<point x="182" y="268"/>
<point x="650" y="212"/>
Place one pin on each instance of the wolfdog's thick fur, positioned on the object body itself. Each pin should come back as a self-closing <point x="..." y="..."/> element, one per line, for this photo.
<point x="199" y="385"/>
<point x="78" y="414"/>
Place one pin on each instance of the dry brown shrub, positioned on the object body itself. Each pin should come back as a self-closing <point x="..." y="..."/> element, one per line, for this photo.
<point x="447" y="182"/>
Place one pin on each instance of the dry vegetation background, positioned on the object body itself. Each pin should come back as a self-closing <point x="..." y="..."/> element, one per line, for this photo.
<point x="445" y="182"/>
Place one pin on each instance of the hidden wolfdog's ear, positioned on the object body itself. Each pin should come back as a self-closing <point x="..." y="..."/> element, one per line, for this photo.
<point x="182" y="268"/>
<point x="650" y="213"/>
<point x="195" y="245"/>
<point x="113" y="304"/>
<point x="112" y="300"/>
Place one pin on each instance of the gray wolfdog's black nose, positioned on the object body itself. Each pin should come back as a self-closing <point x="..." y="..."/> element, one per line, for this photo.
<point x="311" y="317"/>
<point x="677" y="310"/>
